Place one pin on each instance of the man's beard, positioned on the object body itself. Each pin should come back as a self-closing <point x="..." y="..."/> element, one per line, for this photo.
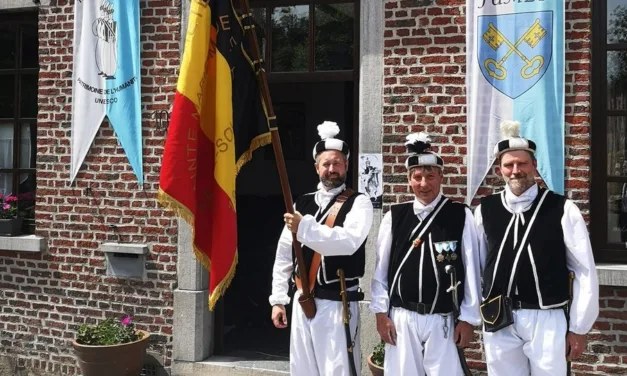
<point x="331" y="181"/>
<point x="521" y="183"/>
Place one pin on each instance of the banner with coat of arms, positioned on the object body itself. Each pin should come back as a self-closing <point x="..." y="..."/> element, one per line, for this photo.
<point x="106" y="78"/>
<point x="515" y="71"/>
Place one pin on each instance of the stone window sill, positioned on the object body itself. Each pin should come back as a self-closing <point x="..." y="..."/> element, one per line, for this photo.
<point x="23" y="243"/>
<point x="612" y="274"/>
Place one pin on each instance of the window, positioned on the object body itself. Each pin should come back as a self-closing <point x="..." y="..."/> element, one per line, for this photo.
<point x="19" y="70"/>
<point x="315" y="36"/>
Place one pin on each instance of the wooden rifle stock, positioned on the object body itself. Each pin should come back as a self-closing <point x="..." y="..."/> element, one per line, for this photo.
<point x="306" y="299"/>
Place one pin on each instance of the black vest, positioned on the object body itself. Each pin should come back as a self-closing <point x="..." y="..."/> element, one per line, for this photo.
<point x="353" y="265"/>
<point x="540" y="275"/>
<point x="416" y="274"/>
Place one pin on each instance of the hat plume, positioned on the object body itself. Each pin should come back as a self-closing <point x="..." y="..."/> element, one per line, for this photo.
<point x="510" y="128"/>
<point x="417" y="143"/>
<point x="328" y="129"/>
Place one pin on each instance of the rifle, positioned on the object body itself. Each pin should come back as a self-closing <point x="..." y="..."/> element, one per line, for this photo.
<point x="347" y="327"/>
<point x="571" y="278"/>
<point x="450" y="269"/>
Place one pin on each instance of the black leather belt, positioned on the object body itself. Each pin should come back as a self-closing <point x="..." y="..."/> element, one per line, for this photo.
<point x="351" y="296"/>
<point x="517" y="304"/>
<point x="420" y="308"/>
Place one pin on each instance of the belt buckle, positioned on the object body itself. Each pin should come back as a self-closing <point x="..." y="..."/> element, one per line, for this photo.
<point x="421" y="308"/>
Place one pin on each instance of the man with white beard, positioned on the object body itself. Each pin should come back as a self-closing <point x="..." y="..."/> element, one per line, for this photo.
<point x="318" y="345"/>
<point x="531" y="238"/>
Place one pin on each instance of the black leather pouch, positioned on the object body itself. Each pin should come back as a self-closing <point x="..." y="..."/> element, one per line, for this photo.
<point x="497" y="313"/>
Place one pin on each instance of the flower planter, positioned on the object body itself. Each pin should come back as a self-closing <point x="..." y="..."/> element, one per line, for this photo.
<point x="375" y="369"/>
<point x="11" y="226"/>
<point x="121" y="360"/>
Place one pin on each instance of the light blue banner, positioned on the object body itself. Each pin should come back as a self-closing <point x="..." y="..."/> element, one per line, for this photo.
<point x="118" y="61"/>
<point x="540" y="109"/>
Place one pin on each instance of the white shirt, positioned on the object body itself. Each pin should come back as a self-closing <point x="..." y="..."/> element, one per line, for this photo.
<point x="469" y="309"/>
<point x="337" y="241"/>
<point x="585" y="307"/>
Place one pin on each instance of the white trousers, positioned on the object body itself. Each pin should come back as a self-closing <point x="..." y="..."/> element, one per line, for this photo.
<point x="421" y="346"/>
<point x="318" y="346"/>
<point x="534" y="345"/>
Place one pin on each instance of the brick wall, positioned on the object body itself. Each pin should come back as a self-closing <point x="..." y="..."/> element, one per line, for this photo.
<point x="44" y="298"/>
<point x="424" y="90"/>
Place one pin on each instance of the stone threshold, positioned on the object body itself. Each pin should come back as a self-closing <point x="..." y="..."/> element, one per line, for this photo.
<point x="225" y="366"/>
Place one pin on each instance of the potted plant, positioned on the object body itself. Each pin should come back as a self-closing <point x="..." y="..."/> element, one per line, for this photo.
<point x="111" y="348"/>
<point x="10" y="223"/>
<point x="375" y="360"/>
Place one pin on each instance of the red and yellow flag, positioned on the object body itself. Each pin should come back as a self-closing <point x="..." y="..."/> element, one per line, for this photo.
<point x="218" y="119"/>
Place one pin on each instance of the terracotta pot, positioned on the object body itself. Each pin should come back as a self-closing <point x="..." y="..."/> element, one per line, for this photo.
<point x="375" y="369"/>
<point x="120" y="360"/>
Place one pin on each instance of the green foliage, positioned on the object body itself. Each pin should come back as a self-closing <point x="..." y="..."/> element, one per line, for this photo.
<point x="378" y="354"/>
<point x="108" y="332"/>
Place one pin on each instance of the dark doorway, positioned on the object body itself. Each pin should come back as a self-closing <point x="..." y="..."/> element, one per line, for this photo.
<point x="311" y="54"/>
<point x="300" y="107"/>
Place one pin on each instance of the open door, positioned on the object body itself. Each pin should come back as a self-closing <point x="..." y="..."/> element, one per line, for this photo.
<point x="310" y="51"/>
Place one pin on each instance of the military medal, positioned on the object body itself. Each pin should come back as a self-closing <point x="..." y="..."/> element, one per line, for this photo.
<point x="438" y="249"/>
<point x="417" y="242"/>
<point x="447" y="246"/>
<point x="453" y="248"/>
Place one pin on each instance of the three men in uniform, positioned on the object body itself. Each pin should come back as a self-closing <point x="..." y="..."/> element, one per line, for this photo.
<point x="427" y="290"/>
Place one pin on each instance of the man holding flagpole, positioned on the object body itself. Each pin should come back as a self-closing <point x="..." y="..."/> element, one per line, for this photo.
<point x="332" y="224"/>
<point x="530" y="239"/>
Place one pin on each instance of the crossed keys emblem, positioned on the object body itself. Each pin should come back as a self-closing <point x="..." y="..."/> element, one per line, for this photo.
<point x="495" y="39"/>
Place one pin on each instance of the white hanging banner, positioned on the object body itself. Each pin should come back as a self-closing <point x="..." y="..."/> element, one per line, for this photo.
<point x="106" y="78"/>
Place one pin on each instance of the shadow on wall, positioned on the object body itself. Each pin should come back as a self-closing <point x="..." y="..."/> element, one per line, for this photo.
<point x="153" y="366"/>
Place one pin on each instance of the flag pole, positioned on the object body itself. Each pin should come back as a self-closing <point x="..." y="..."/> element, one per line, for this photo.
<point x="306" y="299"/>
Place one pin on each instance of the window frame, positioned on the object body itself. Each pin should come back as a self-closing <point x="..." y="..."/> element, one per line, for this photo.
<point x="20" y="18"/>
<point x="603" y="250"/>
<point x="311" y="75"/>
<point x="316" y="76"/>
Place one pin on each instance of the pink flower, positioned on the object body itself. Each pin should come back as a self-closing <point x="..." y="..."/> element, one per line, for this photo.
<point x="10" y="198"/>
<point x="6" y="207"/>
<point x="127" y="321"/>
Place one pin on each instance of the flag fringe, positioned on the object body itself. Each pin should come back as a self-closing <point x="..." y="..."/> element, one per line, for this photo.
<point x="170" y="203"/>
<point x="220" y="289"/>
<point x="173" y="204"/>
<point x="257" y="142"/>
<point x="181" y="210"/>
